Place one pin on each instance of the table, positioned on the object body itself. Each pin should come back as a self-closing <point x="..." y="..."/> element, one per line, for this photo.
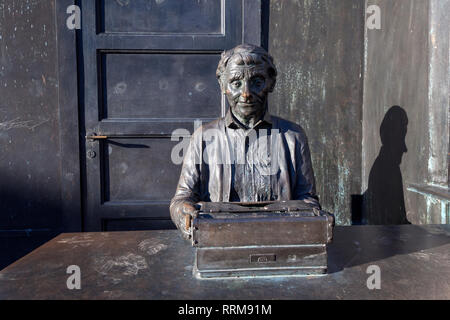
<point x="414" y="262"/>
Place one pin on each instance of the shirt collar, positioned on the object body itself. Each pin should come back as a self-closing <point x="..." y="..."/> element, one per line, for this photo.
<point x="231" y="122"/>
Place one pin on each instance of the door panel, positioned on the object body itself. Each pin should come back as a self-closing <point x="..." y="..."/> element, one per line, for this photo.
<point x="129" y="170"/>
<point x="143" y="86"/>
<point x="162" y="16"/>
<point x="148" y="69"/>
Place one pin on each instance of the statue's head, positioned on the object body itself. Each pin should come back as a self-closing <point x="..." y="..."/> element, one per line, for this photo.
<point x="393" y="131"/>
<point x="246" y="75"/>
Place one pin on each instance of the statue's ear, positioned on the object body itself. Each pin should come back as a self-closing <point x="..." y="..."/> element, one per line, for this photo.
<point x="222" y="87"/>
<point x="273" y="78"/>
<point x="272" y="84"/>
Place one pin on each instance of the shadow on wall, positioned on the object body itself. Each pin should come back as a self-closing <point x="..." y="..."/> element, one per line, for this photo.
<point x="383" y="201"/>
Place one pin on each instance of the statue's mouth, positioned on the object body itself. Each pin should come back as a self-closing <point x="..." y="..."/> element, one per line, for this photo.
<point x="247" y="105"/>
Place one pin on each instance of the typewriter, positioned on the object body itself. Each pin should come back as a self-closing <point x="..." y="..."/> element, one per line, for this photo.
<point x="260" y="239"/>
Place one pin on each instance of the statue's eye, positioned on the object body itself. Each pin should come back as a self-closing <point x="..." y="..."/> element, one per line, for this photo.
<point x="236" y="84"/>
<point x="258" y="82"/>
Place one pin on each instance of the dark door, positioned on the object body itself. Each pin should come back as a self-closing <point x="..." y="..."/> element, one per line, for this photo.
<point x="148" y="68"/>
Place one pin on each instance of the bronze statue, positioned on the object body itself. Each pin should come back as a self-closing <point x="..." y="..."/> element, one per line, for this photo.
<point x="248" y="155"/>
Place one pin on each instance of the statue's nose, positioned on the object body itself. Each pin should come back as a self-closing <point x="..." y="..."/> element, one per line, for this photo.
<point x="245" y="92"/>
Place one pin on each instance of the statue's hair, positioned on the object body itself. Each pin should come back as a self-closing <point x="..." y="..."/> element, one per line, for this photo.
<point x="250" y="55"/>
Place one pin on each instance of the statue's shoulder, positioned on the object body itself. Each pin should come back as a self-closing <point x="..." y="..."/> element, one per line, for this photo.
<point x="214" y="124"/>
<point x="211" y="125"/>
<point x="289" y="128"/>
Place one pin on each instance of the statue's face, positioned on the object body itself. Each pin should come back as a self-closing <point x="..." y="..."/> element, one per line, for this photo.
<point x="246" y="88"/>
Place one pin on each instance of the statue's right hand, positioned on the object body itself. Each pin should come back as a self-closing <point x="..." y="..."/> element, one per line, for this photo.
<point x="188" y="212"/>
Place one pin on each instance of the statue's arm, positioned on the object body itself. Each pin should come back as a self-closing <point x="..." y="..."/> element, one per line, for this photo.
<point x="305" y="187"/>
<point x="187" y="193"/>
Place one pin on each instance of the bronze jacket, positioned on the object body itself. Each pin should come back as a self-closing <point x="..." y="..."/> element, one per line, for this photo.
<point x="206" y="172"/>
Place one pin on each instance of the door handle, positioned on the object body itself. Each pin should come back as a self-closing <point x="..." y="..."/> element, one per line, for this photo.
<point x="95" y="137"/>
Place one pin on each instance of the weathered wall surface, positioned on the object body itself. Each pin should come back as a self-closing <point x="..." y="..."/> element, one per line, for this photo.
<point x="407" y="66"/>
<point x="29" y="127"/>
<point x="318" y="49"/>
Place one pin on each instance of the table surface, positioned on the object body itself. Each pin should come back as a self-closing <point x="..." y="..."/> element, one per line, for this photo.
<point x="414" y="262"/>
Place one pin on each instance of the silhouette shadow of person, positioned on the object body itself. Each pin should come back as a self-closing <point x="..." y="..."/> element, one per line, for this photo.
<point x="383" y="200"/>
